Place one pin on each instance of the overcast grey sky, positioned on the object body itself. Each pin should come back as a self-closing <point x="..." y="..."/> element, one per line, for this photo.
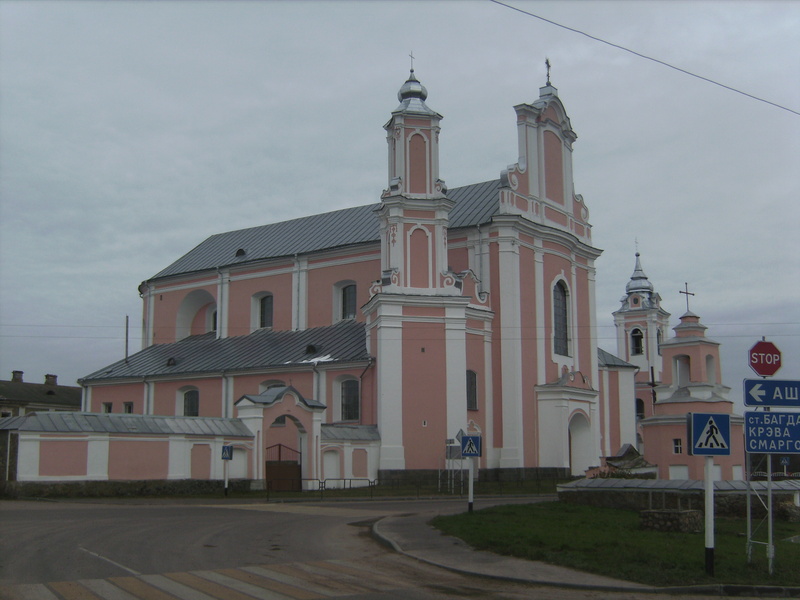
<point x="131" y="131"/>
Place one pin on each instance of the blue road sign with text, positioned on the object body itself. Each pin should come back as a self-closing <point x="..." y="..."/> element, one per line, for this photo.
<point x="771" y="392"/>
<point x="772" y="432"/>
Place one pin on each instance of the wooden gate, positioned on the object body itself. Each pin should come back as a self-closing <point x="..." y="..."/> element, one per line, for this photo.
<point x="283" y="469"/>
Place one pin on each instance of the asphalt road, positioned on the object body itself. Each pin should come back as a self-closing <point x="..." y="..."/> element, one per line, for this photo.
<point x="229" y="551"/>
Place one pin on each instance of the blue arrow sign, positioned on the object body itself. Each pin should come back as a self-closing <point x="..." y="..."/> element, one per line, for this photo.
<point x="772" y="432"/>
<point x="771" y="392"/>
<point x="709" y="434"/>
<point x="470" y="446"/>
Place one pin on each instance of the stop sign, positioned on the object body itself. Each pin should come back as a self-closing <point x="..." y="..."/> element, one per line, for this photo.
<point x="764" y="358"/>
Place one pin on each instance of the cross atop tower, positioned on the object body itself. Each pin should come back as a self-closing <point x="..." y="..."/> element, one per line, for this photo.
<point x="547" y="64"/>
<point x="688" y="293"/>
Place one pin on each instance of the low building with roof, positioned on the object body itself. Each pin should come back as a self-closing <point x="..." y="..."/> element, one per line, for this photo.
<point x="18" y="397"/>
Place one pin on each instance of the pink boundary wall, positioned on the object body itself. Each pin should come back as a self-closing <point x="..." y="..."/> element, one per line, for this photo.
<point x="64" y="457"/>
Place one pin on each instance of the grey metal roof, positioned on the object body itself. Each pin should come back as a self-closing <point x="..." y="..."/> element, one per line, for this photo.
<point x="676" y="485"/>
<point x="272" y="395"/>
<point x="353" y="433"/>
<point x="343" y="342"/>
<point x="607" y="359"/>
<point x="41" y="393"/>
<point x="79" y="422"/>
<point x="475" y="204"/>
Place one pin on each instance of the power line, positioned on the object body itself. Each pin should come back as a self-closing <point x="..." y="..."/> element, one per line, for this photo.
<point x="650" y="58"/>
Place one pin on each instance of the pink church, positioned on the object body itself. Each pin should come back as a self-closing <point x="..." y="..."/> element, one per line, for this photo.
<point x="361" y="342"/>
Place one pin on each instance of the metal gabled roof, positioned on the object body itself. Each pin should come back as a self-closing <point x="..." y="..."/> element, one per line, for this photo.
<point x="606" y="359"/>
<point x="475" y="204"/>
<point x="343" y="342"/>
<point x="272" y="395"/>
<point x="41" y="393"/>
<point x="79" y="422"/>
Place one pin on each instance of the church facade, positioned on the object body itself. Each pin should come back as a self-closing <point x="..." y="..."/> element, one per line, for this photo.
<point x="365" y="341"/>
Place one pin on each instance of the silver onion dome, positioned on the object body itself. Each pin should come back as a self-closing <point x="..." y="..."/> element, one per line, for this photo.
<point x="412" y="88"/>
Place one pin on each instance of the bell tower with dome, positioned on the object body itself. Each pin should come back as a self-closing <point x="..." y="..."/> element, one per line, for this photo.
<point x="641" y="326"/>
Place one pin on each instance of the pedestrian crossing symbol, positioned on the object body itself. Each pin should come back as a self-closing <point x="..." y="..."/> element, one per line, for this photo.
<point x="709" y="434"/>
<point x="227" y="453"/>
<point x="470" y="446"/>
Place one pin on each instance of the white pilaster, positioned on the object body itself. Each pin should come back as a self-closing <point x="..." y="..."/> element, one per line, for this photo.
<point x="300" y="292"/>
<point x="223" y="287"/>
<point x="456" y="365"/>
<point x="511" y="455"/>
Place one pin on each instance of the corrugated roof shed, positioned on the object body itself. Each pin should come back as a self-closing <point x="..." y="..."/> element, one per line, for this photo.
<point x="675" y="485"/>
<point x="78" y="422"/>
<point x="475" y="204"/>
<point x="343" y="342"/>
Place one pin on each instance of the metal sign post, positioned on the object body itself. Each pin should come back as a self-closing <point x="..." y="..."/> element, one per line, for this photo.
<point x="227" y="456"/>
<point x="709" y="435"/>
<point x="471" y="447"/>
<point x="770" y="433"/>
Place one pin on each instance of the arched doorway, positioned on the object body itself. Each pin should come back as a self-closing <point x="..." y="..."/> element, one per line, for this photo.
<point x="580" y="444"/>
<point x="283" y="455"/>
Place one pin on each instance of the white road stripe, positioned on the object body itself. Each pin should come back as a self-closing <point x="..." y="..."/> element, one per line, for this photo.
<point x="108" y="560"/>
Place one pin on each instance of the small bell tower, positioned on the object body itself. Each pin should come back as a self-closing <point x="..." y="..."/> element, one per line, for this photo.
<point x="641" y="324"/>
<point x="414" y="210"/>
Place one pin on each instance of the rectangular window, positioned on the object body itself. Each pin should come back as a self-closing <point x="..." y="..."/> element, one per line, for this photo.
<point x="350" y="401"/>
<point x="472" y="390"/>
<point x="191" y="403"/>
<point x="107" y="407"/>
<point x="127" y="408"/>
<point x="349" y="302"/>
<point x="265" y="316"/>
<point x="677" y="446"/>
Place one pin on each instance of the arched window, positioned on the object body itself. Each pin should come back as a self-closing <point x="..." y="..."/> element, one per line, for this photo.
<point x="639" y="408"/>
<point x="472" y="390"/>
<point x="265" y="311"/>
<point x="191" y="403"/>
<point x="349" y="302"/>
<point x="711" y="369"/>
<point x="344" y="301"/>
<point x="637" y="338"/>
<point x="560" y="319"/>
<point x="681" y="368"/>
<point x="351" y="402"/>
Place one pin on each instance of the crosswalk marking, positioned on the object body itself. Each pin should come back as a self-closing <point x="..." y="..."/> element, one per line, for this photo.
<point x="247" y="588"/>
<point x="285" y="581"/>
<point x="72" y="590"/>
<point x="289" y="591"/>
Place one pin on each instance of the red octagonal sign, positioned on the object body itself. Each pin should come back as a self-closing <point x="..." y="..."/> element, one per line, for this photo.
<point x="764" y="358"/>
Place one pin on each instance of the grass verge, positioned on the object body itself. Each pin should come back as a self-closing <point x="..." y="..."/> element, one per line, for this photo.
<point x="610" y="542"/>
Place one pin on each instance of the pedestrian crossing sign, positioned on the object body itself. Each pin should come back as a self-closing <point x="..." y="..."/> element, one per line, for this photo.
<point x="227" y="453"/>
<point x="470" y="446"/>
<point x="709" y="434"/>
